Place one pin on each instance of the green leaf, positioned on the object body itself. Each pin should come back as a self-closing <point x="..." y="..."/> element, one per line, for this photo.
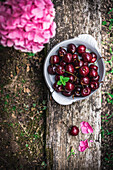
<point x="66" y="79"/>
<point x="64" y="83"/>
<point x="31" y="54"/>
<point x="61" y="78"/>
<point x="27" y="145"/>
<point x="34" y="104"/>
<point x="111" y="50"/>
<point x="44" y="108"/>
<point x="104" y="22"/>
<point x="110" y="95"/>
<point x="14" y="108"/>
<point x="110" y="26"/>
<point x="110" y="11"/>
<point x="59" y="82"/>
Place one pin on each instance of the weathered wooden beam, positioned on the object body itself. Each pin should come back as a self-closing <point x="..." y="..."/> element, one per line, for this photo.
<point x="74" y="18"/>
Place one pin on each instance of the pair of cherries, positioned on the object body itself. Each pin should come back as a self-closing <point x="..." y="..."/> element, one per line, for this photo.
<point x="77" y="65"/>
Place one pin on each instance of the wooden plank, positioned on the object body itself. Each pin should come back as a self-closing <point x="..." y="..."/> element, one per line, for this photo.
<point x="74" y="18"/>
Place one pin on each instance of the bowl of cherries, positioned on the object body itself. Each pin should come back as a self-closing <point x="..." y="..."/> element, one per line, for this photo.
<point x="74" y="69"/>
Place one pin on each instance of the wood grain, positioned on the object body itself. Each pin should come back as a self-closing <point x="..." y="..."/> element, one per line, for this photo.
<point x="74" y="18"/>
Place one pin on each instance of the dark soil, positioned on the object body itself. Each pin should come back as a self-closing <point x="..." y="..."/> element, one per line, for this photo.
<point x="23" y="98"/>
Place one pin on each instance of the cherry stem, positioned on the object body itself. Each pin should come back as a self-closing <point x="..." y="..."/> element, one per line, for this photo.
<point x="71" y="74"/>
<point x="101" y="82"/>
<point x="100" y="58"/>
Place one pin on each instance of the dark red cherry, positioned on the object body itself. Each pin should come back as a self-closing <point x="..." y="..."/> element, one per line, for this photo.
<point x="75" y="57"/>
<point x="92" y="66"/>
<point x="68" y="58"/>
<point x="85" y="91"/>
<point x="86" y="57"/>
<point x="71" y="78"/>
<point x="77" y="81"/>
<point x="63" y="63"/>
<point x="77" y="91"/>
<point x="70" y="68"/>
<point x="74" y="131"/>
<point x="69" y="86"/>
<point x="85" y="63"/>
<point x="61" y="52"/>
<point x="93" y="73"/>
<point x="57" y="88"/>
<point x="81" y="49"/>
<point x="57" y="77"/>
<point x="84" y="80"/>
<point x="51" y="69"/>
<point x="60" y="70"/>
<point x="54" y="59"/>
<point x="78" y="64"/>
<point x="71" y="48"/>
<point x="94" y="57"/>
<point x="83" y="71"/>
<point x="67" y="93"/>
<point x="95" y="78"/>
<point x="94" y="85"/>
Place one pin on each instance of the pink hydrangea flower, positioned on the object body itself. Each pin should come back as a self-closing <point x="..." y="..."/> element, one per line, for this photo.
<point x="86" y="128"/>
<point x="26" y="24"/>
<point x="83" y="145"/>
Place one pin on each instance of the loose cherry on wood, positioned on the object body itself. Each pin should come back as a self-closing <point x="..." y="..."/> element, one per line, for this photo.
<point x="74" y="131"/>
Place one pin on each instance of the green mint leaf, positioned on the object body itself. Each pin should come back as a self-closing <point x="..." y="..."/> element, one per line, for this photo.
<point x="61" y="78"/>
<point x="110" y="95"/>
<point x="31" y="54"/>
<point x="104" y="22"/>
<point x="111" y="50"/>
<point x="59" y="83"/>
<point x="66" y="79"/>
<point x="110" y="11"/>
<point x="64" y="83"/>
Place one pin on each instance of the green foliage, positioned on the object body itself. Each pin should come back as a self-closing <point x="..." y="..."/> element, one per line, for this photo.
<point x="104" y="22"/>
<point x="44" y="164"/>
<point x="110" y="11"/>
<point x="31" y="54"/>
<point x="72" y="153"/>
<point x="63" y="80"/>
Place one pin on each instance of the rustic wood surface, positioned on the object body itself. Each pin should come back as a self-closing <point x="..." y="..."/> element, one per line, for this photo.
<point x="74" y="18"/>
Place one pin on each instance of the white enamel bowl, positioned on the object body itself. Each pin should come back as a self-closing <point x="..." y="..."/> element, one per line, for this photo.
<point x="90" y="44"/>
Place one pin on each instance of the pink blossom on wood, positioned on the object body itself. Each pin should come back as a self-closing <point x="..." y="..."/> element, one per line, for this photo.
<point x="86" y="128"/>
<point x="26" y="25"/>
<point x="83" y="145"/>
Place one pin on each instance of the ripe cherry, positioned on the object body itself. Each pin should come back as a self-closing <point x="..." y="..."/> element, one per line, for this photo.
<point x="94" y="57"/>
<point x="71" y="78"/>
<point x="61" y="52"/>
<point x="51" y="69"/>
<point x="81" y="49"/>
<point x="78" y="64"/>
<point x="93" y="73"/>
<point x="54" y="59"/>
<point x="70" y="68"/>
<point x="60" y="70"/>
<point x="94" y="85"/>
<point x="92" y="66"/>
<point x="85" y="63"/>
<point x="84" y="70"/>
<point x="84" y="80"/>
<point x="77" y="91"/>
<point x="74" y="131"/>
<point x="86" y="57"/>
<point x="57" y="88"/>
<point x="68" y="58"/>
<point x="75" y="57"/>
<point x="71" y="48"/>
<point x="57" y="77"/>
<point x="95" y="78"/>
<point x="62" y="63"/>
<point x="67" y="93"/>
<point x="85" y="91"/>
<point x="69" y="86"/>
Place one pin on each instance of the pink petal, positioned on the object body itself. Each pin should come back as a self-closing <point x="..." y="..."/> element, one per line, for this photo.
<point x="38" y="38"/>
<point x="37" y="12"/>
<point x="46" y="25"/>
<point x="90" y="129"/>
<point x="91" y="141"/>
<point x="10" y="43"/>
<point x="84" y="130"/>
<point x="86" y="124"/>
<point x="82" y="144"/>
<point x="30" y="35"/>
<point x="82" y="123"/>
